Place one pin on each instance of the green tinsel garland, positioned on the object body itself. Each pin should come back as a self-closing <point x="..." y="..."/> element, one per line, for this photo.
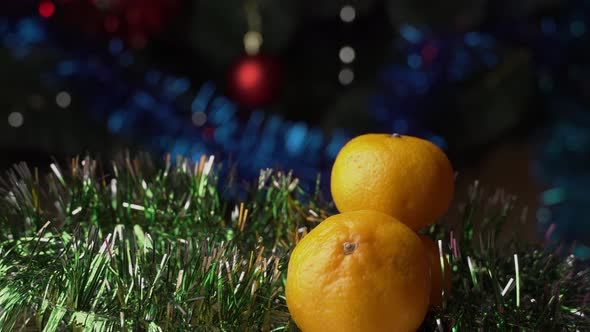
<point x="135" y="247"/>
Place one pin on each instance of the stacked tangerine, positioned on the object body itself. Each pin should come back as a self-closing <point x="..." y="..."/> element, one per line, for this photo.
<point x="366" y="269"/>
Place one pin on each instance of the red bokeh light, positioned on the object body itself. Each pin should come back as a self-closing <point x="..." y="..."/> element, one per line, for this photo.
<point x="46" y="9"/>
<point x="254" y="80"/>
<point x="249" y="75"/>
<point x="111" y="23"/>
<point x="429" y="52"/>
<point x="208" y="133"/>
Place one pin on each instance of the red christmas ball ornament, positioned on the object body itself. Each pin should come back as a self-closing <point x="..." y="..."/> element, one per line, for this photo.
<point x="254" y="80"/>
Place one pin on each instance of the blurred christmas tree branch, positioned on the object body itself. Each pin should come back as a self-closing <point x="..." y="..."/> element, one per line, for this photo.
<point x="129" y="246"/>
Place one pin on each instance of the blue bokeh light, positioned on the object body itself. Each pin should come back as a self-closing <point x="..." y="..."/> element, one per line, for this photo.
<point x="295" y="139"/>
<point x="115" y="46"/>
<point x="411" y="34"/>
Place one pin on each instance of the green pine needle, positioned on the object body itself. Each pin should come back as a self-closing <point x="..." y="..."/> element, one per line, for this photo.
<point x="131" y="246"/>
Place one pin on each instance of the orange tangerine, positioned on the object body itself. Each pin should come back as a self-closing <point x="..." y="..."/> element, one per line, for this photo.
<point x="359" y="271"/>
<point x="406" y="177"/>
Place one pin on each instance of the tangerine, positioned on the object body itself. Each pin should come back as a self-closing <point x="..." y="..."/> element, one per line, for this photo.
<point x="359" y="271"/>
<point x="404" y="176"/>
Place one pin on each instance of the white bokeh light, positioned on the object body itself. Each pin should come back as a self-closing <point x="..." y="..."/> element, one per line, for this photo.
<point x="347" y="14"/>
<point x="199" y="118"/>
<point x="16" y="119"/>
<point x="252" y="42"/>
<point x="63" y="99"/>
<point x="346" y="76"/>
<point x="346" y="54"/>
